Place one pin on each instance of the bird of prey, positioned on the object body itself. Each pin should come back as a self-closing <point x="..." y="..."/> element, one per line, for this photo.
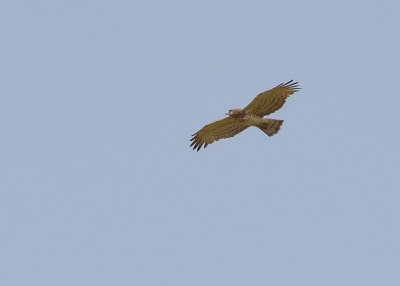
<point x="238" y="120"/>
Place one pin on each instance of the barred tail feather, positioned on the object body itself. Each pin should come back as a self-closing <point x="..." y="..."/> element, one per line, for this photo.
<point x="270" y="126"/>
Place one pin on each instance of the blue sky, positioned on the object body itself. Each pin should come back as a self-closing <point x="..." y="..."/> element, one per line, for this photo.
<point x="98" y="185"/>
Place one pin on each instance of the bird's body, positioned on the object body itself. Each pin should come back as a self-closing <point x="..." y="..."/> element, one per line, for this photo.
<point x="253" y="114"/>
<point x="249" y="119"/>
<point x="254" y="120"/>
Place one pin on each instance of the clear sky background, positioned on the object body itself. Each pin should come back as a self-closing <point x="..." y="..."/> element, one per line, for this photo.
<point x="98" y="185"/>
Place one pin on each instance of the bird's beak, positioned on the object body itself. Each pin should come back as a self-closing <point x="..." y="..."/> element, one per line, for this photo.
<point x="226" y="113"/>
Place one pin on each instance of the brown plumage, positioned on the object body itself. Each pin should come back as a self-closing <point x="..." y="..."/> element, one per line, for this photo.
<point x="238" y="120"/>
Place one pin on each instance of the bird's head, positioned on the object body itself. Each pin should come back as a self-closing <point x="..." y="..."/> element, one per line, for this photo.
<point x="236" y="113"/>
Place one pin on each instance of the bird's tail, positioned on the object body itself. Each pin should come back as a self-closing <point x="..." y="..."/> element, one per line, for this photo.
<point x="270" y="126"/>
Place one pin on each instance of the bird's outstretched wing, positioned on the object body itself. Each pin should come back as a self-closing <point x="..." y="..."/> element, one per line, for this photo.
<point x="223" y="128"/>
<point x="271" y="100"/>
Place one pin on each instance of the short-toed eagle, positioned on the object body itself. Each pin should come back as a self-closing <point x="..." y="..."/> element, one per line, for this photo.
<point x="238" y="120"/>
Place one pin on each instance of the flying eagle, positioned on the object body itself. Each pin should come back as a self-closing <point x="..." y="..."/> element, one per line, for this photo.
<point x="238" y="120"/>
